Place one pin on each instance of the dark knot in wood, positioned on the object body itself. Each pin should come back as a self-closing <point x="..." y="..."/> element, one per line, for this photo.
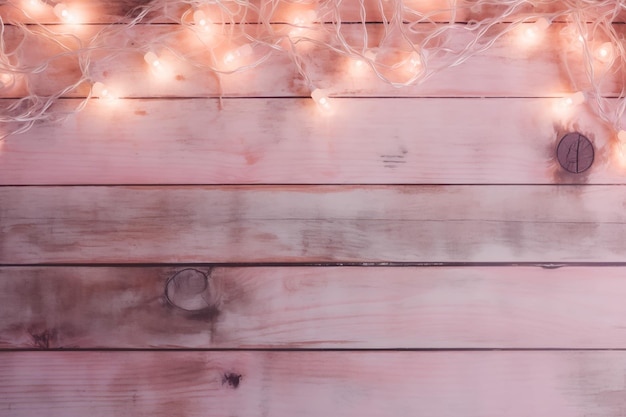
<point x="189" y="290"/>
<point x="575" y="153"/>
<point x="231" y="379"/>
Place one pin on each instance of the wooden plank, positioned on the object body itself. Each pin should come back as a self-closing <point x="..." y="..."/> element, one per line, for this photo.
<point x="284" y="384"/>
<point x="312" y="224"/>
<point x="16" y="11"/>
<point x="506" y="69"/>
<point x="261" y="141"/>
<point x="312" y="307"/>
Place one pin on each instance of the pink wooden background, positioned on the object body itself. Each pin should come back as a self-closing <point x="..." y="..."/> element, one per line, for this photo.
<point x="199" y="249"/>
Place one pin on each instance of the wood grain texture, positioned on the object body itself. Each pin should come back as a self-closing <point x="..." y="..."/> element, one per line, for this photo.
<point x="506" y="69"/>
<point x="284" y="384"/>
<point x="312" y="307"/>
<point x="264" y="141"/>
<point x="311" y="224"/>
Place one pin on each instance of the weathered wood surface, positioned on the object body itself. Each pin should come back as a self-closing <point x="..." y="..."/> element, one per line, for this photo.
<point x="312" y="223"/>
<point x="285" y="384"/>
<point x="506" y="69"/>
<point x="262" y="141"/>
<point x="312" y="307"/>
<point x="103" y="11"/>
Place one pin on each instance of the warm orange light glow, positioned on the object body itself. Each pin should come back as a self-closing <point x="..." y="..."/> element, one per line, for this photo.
<point x="532" y="33"/>
<point x="411" y="66"/>
<point x="152" y="59"/>
<point x="65" y="14"/>
<point x="568" y="103"/>
<point x="605" y="52"/>
<point x="155" y="63"/>
<point x="231" y="57"/>
<point x="619" y="153"/>
<point x="36" y="6"/>
<point x="321" y="99"/>
<point x="360" y="64"/>
<point x="415" y="61"/>
<point x="201" y="21"/>
<point x="6" y="80"/>
<point x="100" y="90"/>
<point x="303" y="21"/>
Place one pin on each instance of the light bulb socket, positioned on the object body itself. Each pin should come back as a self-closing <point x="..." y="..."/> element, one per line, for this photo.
<point x="151" y="58"/>
<point x="100" y="90"/>
<point x="200" y="18"/>
<point x="320" y="98"/>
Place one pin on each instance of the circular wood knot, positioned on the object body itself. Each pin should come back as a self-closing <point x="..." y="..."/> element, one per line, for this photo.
<point x="575" y="152"/>
<point x="189" y="290"/>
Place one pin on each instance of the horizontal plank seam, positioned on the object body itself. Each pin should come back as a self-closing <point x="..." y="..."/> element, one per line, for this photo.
<point x="365" y="220"/>
<point x="341" y="97"/>
<point x="367" y="22"/>
<point x="321" y="350"/>
<point x="313" y="185"/>
<point x="545" y="265"/>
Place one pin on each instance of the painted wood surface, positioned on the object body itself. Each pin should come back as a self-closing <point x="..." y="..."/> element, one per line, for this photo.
<point x="267" y="137"/>
<point x="312" y="224"/>
<point x="312" y="307"/>
<point x="509" y="68"/>
<point x="280" y="141"/>
<point x="284" y="384"/>
<point x="103" y="11"/>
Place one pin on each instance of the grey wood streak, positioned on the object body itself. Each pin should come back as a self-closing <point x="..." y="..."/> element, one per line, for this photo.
<point x="312" y="307"/>
<point x="312" y="384"/>
<point x="312" y="224"/>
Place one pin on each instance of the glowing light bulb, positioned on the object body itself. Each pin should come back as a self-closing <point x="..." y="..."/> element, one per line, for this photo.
<point x="154" y="62"/>
<point x="605" y="52"/>
<point x="100" y="90"/>
<point x="415" y="61"/>
<point x="534" y="31"/>
<point x="35" y="5"/>
<point x="63" y="13"/>
<point x="231" y="56"/>
<point x="569" y="102"/>
<point x="360" y="64"/>
<point x="201" y="20"/>
<point x="6" y="80"/>
<point x="575" y="99"/>
<point x="321" y="99"/>
<point x="303" y="21"/>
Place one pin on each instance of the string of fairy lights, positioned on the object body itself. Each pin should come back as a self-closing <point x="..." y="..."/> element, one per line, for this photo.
<point x="236" y="36"/>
